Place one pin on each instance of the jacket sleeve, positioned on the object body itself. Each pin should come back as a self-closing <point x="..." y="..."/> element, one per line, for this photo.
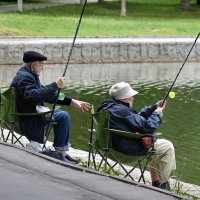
<point x="147" y="111"/>
<point x="53" y="98"/>
<point x="67" y="101"/>
<point x="150" y="125"/>
<point x="35" y="94"/>
<point x="133" y="122"/>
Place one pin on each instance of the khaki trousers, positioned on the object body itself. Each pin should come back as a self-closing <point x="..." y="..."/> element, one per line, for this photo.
<point x="163" y="160"/>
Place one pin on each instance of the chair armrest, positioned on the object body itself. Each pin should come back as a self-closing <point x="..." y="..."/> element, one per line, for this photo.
<point x="128" y="134"/>
<point x="35" y="113"/>
<point x="31" y="114"/>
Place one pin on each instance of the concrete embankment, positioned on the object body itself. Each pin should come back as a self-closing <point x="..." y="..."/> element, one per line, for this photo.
<point x="100" y="50"/>
<point x="52" y="3"/>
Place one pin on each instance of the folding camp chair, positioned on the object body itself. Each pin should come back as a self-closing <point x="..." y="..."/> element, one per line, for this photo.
<point x="9" y="118"/>
<point x="101" y="144"/>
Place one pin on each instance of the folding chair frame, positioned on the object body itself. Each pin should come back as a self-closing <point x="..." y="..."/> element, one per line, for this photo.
<point x="95" y="149"/>
<point x="9" y="119"/>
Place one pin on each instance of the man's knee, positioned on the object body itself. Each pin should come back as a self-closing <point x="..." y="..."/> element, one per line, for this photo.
<point x="66" y="117"/>
<point x="62" y="116"/>
<point x="164" y="150"/>
<point x="169" y="146"/>
<point x="164" y="145"/>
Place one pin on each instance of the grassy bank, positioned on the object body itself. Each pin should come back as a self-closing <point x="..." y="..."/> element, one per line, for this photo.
<point x="145" y="18"/>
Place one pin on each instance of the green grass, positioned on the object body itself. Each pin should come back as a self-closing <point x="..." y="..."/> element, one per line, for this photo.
<point x="144" y="18"/>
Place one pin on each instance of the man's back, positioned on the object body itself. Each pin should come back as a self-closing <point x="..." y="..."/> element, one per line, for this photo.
<point x="122" y="117"/>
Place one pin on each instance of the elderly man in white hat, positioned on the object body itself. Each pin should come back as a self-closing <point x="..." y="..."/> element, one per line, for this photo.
<point x="147" y="121"/>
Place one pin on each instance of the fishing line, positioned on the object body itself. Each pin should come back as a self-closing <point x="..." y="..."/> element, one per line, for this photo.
<point x="168" y="92"/>
<point x="65" y="70"/>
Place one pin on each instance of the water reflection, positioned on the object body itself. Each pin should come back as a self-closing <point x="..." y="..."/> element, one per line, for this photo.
<point x="181" y="117"/>
<point x="89" y="75"/>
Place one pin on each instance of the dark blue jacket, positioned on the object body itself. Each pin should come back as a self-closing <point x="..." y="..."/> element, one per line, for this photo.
<point x="29" y="94"/>
<point x="122" y="117"/>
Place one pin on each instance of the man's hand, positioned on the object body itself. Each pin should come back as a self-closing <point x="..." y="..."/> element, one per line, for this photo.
<point x="160" y="111"/>
<point x="84" y="106"/>
<point x="60" y="82"/>
<point x="159" y="104"/>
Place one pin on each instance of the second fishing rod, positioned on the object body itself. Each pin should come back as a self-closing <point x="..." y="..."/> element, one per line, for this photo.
<point x="172" y="85"/>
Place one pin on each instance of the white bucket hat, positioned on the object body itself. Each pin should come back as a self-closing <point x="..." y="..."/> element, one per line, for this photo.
<point x="122" y="90"/>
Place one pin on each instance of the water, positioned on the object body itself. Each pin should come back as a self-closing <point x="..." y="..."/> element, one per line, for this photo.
<point x="181" y="116"/>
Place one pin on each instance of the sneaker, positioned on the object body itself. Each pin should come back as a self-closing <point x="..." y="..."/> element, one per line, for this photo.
<point x="64" y="159"/>
<point x="57" y="155"/>
<point x="71" y="159"/>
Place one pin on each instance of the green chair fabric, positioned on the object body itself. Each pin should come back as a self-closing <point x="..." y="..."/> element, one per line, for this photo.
<point x="101" y="144"/>
<point x="9" y="118"/>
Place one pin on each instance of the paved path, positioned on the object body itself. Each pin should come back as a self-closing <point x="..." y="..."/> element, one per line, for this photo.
<point x="83" y="155"/>
<point x="26" y="175"/>
<point x="30" y="6"/>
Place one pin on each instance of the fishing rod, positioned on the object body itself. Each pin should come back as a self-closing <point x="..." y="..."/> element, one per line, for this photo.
<point x="168" y="92"/>
<point x="76" y="33"/>
<point x="65" y="70"/>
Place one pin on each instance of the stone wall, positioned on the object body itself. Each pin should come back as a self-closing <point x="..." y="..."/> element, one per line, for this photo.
<point x="101" y="50"/>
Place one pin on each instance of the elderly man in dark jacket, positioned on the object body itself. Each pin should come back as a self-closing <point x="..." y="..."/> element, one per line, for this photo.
<point x="147" y="121"/>
<point x="30" y="94"/>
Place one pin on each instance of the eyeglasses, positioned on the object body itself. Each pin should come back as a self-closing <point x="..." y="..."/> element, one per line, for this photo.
<point x="39" y="64"/>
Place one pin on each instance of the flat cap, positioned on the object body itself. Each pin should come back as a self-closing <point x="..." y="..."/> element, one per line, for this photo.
<point x="31" y="56"/>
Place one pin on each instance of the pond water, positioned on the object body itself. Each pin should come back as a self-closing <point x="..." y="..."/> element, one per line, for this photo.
<point x="181" y="116"/>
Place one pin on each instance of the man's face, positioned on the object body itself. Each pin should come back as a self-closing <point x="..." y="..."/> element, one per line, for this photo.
<point x="37" y="67"/>
<point x="129" y="100"/>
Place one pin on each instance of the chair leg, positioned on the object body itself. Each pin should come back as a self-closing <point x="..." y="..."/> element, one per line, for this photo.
<point x="17" y="140"/>
<point x="8" y="136"/>
<point x="2" y="134"/>
<point x="94" y="160"/>
<point x="91" y="131"/>
<point x="104" y="158"/>
<point x="127" y="173"/>
<point x="44" y="146"/>
<point x="142" y="173"/>
<point x="91" y="153"/>
<point x="142" y="170"/>
<point x="47" y="132"/>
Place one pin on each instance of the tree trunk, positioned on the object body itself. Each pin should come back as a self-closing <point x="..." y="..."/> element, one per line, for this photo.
<point x="185" y="4"/>
<point x="82" y="2"/>
<point x="123" y="8"/>
<point x="20" y="5"/>
<point x="198" y="2"/>
<point x="101" y="1"/>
